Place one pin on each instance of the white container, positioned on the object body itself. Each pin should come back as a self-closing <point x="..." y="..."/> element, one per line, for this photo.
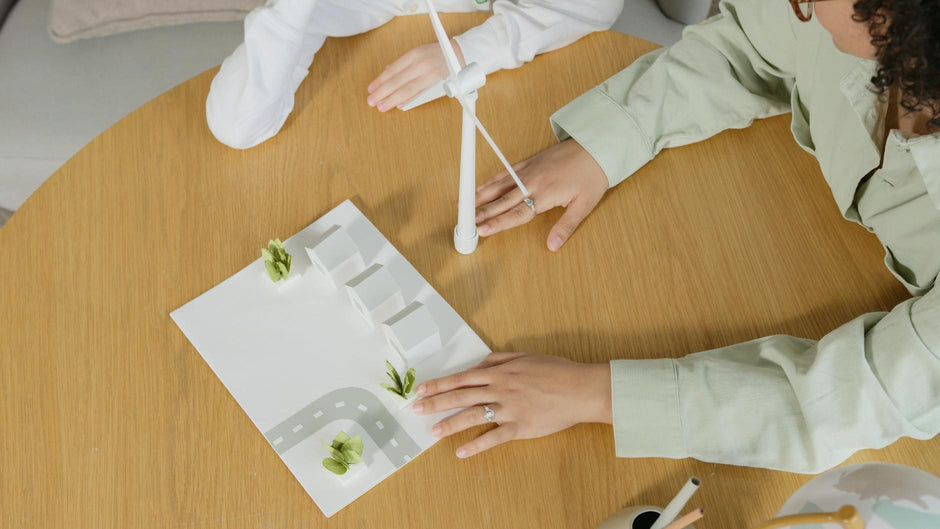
<point x="336" y="256"/>
<point x="413" y="334"/>
<point x="636" y="517"/>
<point x="375" y="294"/>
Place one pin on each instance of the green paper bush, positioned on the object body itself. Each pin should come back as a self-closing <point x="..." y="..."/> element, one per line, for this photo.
<point x="276" y="260"/>
<point x="401" y="387"/>
<point x="344" y="451"/>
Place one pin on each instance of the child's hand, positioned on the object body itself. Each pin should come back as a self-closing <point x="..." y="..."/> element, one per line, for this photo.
<point x="409" y="75"/>
<point x="564" y="175"/>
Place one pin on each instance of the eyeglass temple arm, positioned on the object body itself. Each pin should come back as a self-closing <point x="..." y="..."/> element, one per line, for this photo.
<point x="795" y="4"/>
<point x="847" y="516"/>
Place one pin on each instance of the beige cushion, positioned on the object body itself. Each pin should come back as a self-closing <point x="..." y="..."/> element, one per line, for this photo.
<point x="81" y="19"/>
<point x="54" y="99"/>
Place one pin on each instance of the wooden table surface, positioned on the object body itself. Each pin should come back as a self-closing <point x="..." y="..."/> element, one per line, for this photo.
<point x="110" y="418"/>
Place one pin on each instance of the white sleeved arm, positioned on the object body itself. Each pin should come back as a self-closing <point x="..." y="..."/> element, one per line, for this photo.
<point x="520" y="30"/>
<point x="253" y="92"/>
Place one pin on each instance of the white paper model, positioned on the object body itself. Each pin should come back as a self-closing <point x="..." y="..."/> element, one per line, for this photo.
<point x="289" y="282"/>
<point x="265" y="345"/>
<point x="395" y="402"/>
<point x="336" y="255"/>
<point x="413" y="334"/>
<point x="375" y="294"/>
<point x="354" y="472"/>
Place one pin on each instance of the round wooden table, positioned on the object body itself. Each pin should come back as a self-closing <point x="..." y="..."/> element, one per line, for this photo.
<point x="110" y="418"/>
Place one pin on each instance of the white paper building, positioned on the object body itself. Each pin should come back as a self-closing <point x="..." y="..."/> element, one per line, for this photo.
<point x="336" y="255"/>
<point x="376" y="294"/>
<point x="413" y="334"/>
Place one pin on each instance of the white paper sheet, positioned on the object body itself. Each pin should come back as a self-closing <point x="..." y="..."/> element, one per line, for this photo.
<point x="304" y="364"/>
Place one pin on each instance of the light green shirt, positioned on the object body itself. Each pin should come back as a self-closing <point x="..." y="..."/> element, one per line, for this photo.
<point x="780" y="402"/>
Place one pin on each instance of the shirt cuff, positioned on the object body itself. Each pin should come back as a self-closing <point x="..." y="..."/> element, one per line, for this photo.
<point x="645" y="403"/>
<point x="607" y="131"/>
<point x="477" y="45"/>
<point x="926" y="153"/>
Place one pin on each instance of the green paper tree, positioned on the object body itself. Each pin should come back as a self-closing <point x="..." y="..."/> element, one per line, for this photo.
<point x="401" y="387"/>
<point x="344" y="451"/>
<point x="276" y="260"/>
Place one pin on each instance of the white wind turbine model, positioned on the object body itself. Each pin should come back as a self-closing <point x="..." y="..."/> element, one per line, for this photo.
<point x="462" y="85"/>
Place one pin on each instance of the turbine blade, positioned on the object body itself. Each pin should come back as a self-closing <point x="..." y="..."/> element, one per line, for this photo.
<point x="430" y="93"/>
<point x="450" y="57"/>
<point x="499" y="153"/>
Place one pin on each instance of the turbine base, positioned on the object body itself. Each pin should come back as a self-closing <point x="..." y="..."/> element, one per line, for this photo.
<point x="466" y="245"/>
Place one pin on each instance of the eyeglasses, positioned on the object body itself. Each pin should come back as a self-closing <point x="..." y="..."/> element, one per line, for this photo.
<point x="803" y="9"/>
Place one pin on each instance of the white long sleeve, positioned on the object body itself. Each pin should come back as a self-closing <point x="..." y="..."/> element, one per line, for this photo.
<point x="253" y="93"/>
<point x="518" y="31"/>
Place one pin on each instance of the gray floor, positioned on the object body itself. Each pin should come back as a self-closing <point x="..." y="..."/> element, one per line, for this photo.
<point x="58" y="97"/>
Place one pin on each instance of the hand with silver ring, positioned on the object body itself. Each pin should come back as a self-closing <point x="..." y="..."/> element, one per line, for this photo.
<point x="524" y="395"/>
<point x="564" y="175"/>
<point x="529" y="202"/>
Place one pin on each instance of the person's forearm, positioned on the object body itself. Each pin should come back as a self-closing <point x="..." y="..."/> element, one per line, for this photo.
<point x="597" y="393"/>
<point x="784" y="402"/>
<point x="723" y="74"/>
<point x="517" y="32"/>
<point x="253" y="93"/>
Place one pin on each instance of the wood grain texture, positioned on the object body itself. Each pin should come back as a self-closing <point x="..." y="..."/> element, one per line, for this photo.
<point x="110" y="418"/>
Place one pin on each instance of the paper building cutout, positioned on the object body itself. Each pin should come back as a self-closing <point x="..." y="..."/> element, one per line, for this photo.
<point x="413" y="334"/>
<point x="336" y="255"/>
<point x="375" y="294"/>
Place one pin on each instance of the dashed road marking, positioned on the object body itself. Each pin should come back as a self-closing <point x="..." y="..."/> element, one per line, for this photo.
<point x="355" y="404"/>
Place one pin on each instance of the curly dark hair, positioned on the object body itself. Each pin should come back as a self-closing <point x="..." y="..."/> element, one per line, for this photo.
<point x="906" y="34"/>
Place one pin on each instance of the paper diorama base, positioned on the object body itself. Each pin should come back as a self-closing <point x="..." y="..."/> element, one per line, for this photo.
<point x="303" y="364"/>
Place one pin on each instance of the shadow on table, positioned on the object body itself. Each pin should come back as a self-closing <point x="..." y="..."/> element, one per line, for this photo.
<point x="588" y="346"/>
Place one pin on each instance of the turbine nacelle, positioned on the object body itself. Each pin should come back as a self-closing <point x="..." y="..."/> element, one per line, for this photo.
<point x="469" y="79"/>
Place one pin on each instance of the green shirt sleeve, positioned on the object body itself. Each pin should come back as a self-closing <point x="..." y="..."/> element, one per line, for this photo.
<point x="724" y="73"/>
<point x="778" y="402"/>
<point x="788" y="403"/>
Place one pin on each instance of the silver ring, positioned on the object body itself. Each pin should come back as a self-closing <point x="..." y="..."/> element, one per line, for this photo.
<point x="488" y="413"/>
<point x="528" y="202"/>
